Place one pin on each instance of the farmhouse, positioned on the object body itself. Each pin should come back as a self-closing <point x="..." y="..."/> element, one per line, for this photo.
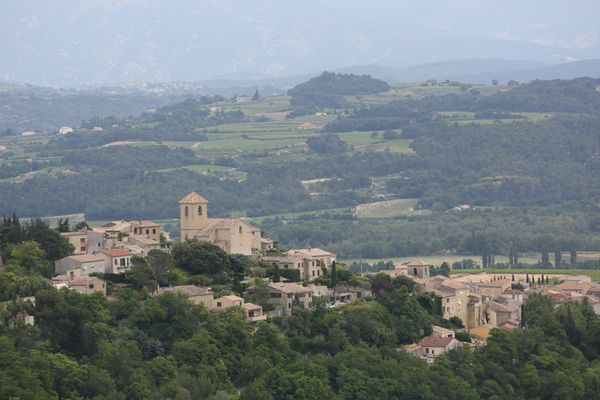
<point x="234" y="236"/>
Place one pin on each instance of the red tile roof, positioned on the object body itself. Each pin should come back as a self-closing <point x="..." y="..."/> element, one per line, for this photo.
<point x="117" y="252"/>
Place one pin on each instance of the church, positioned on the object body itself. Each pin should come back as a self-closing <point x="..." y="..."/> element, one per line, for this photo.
<point x="233" y="235"/>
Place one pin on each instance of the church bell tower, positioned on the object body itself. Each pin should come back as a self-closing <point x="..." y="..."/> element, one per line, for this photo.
<point x="193" y="215"/>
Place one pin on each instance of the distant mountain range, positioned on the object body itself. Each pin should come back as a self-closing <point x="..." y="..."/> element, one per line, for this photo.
<point x="467" y="71"/>
<point x="82" y="43"/>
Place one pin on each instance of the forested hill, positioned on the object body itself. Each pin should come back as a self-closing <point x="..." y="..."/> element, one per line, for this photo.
<point x="328" y="89"/>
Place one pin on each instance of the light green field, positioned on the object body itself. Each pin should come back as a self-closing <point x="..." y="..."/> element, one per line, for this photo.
<point x="241" y="144"/>
<point x="386" y="209"/>
<point x="364" y="141"/>
<point x="293" y="215"/>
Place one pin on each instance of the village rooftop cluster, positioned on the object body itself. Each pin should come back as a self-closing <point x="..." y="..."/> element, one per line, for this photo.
<point x="480" y="302"/>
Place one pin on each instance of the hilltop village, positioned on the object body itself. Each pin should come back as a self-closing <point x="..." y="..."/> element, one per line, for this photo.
<point x="472" y="304"/>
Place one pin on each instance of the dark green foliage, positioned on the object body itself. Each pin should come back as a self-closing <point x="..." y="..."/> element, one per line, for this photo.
<point x="52" y="245"/>
<point x="328" y="89"/>
<point x="327" y="144"/>
<point x="199" y="257"/>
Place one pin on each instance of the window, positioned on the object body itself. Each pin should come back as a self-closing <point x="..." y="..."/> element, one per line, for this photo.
<point x="414" y="271"/>
<point x="218" y="304"/>
<point x="91" y="286"/>
<point x="116" y="262"/>
<point x="313" y="273"/>
<point x="82" y="240"/>
<point x="426" y="350"/>
<point x="154" y="230"/>
<point x="82" y="249"/>
<point x="186" y="211"/>
<point x="240" y="229"/>
<point x="199" y="210"/>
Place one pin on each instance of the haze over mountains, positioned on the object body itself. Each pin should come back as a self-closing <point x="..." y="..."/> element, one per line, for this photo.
<point x="78" y="43"/>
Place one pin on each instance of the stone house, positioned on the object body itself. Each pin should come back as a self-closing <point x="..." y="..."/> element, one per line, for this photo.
<point x="326" y="257"/>
<point x="442" y="332"/>
<point x="254" y="312"/>
<point x="197" y="294"/>
<point x="144" y="229"/>
<point x="266" y="244"/>
<point x="83" y="284"/>
<point x="418" y="269"/>
<point x="285" y="295"/>
<point x="309" y="267"/>
<point x="86" y="263"/>
<point x="501" y="310"/>
<point x="225" y="302"/>
<point x="85" y="241"/>
<point x="432" y="346"/>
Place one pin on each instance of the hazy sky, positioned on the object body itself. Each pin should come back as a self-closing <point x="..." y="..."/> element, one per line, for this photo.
<point x="106" y="41"/>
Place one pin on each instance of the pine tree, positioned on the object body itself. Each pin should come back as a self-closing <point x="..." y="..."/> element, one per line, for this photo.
<point x="256" y="96"/>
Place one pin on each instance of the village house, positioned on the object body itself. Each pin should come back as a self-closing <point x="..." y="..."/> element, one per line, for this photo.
<point x="140" y="236"/>
<point x="144" y="229"/>
<point x="266" y="244"/>
<point x="454" y="294"/>
<point x="225" y="302"/>
<point x="205" y="296"/>
<point x="432" y="346"/>
<point x="418" y="269"/>
<point x="85" y="241"/>
<point x="116" y="261"/>
<point x="501" y="310"/>
<point x="86" y="263"/>
<point x="573" y="287"/>
<point x="234" y="236"/>
<point x="490" y="290"/>
<point x="442" y="332"/>
<point x="285" y="295"/>
<point x="309" y="266"/>
<point x="197" y="294"/>
<point x="322" y="291"/>
<point x="326" y="257"/>
<point x="254" y="312"/>
<point x="83" y="284"/>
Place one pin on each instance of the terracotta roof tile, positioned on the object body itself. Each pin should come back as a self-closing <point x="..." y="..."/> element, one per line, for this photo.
<point x="435" y="341"/>
<point x="193" y="198"/>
